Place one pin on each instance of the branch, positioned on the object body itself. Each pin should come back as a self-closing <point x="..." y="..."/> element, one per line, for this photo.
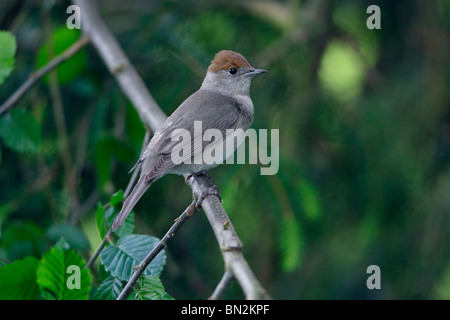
<point x="34" y="77"/>
<point x="157" y="249"/>
<point x="152" y="116"/>
<point x="223" y="286"/>
<point x="119" y="65"/>
<point x="229" y="243"/>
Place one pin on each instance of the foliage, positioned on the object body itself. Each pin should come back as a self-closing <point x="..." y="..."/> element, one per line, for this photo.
<point x="18" y="280"/>
<point x="46" y="278"/>
<point x="50" y="277"/>
<point x="8" y="45"/>
<point x="20" y="131"/>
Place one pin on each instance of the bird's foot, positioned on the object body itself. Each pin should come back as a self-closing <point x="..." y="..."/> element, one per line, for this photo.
<point x="206" y="191"/>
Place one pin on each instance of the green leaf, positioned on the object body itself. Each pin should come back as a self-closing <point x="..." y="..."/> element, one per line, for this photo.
<point x="105" y="218"/>
<point x="73" y="235"/>
<point x="151" y="288"/>
<point x="310" y="200"/>
<point x="120" y="259"/>
<point x="20" y="131"/>
<point x="102" y="226"/>
<point x="7" y="51"/>
<point x="61" y="39"/>
<point x="116" y="198"/>
<point x="109" y="289"/>
<point x="55" y="276"/>
<point x="18" y="280"/>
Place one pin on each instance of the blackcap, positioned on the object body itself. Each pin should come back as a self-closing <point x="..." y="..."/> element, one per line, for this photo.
<point x="222" y="102"/>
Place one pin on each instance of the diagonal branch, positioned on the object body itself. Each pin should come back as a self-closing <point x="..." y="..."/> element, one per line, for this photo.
<point x="152" y="116"/>
<point x="34" y="77"/>
<point x="223" y="286"/>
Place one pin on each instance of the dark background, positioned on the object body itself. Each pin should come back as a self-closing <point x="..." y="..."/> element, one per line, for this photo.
<point x="364" y="124"/>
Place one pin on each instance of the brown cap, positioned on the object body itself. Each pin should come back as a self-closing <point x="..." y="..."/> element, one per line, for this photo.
<point x="227" y="59"/>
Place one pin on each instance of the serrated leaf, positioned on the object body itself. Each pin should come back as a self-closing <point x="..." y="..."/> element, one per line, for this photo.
<point x="109" y="289"/>
<point x="54" y="275"/>
<point x="20" y="131"/>
<point x="18" y="280"/>
<point x="7" y="52"/>
<point x="121" y="258"/>
<point x="151" y="288"/>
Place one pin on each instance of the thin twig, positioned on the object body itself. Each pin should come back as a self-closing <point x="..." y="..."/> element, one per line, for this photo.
<point x="157" y="249"/>
<point x="99" y="249"/>
<point x="223" y="286"/>
<point x="34" y="77"/>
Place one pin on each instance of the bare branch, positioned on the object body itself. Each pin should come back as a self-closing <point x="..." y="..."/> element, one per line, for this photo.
<point x="34" y="77"/>
<point x="223" y="286"/>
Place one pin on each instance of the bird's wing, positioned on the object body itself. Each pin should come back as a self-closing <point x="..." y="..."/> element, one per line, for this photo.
<point x="196" y="108"/>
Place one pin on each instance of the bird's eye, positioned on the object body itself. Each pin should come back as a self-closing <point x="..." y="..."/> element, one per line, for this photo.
<point x="232" y="70"/>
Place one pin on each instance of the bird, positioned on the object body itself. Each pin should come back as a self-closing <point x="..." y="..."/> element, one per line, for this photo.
<point x="223" y="102"/>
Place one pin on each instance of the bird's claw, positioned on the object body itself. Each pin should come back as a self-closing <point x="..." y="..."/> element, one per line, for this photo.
<point x="206" y="191"/>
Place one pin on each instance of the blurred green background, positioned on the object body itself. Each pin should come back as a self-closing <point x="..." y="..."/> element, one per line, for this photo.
<point x="364" y="120"/>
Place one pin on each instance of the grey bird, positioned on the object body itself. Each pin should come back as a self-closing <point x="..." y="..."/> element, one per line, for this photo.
<point x="222" y="102"/>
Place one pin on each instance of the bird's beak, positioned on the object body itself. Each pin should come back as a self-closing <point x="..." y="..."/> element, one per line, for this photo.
<point x="255" y="72"/>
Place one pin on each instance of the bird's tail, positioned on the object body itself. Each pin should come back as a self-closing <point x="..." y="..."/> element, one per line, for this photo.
<point x="138" y="190"/>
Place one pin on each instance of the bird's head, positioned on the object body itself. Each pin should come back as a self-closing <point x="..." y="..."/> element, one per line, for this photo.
<point x="230" y="73"/>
